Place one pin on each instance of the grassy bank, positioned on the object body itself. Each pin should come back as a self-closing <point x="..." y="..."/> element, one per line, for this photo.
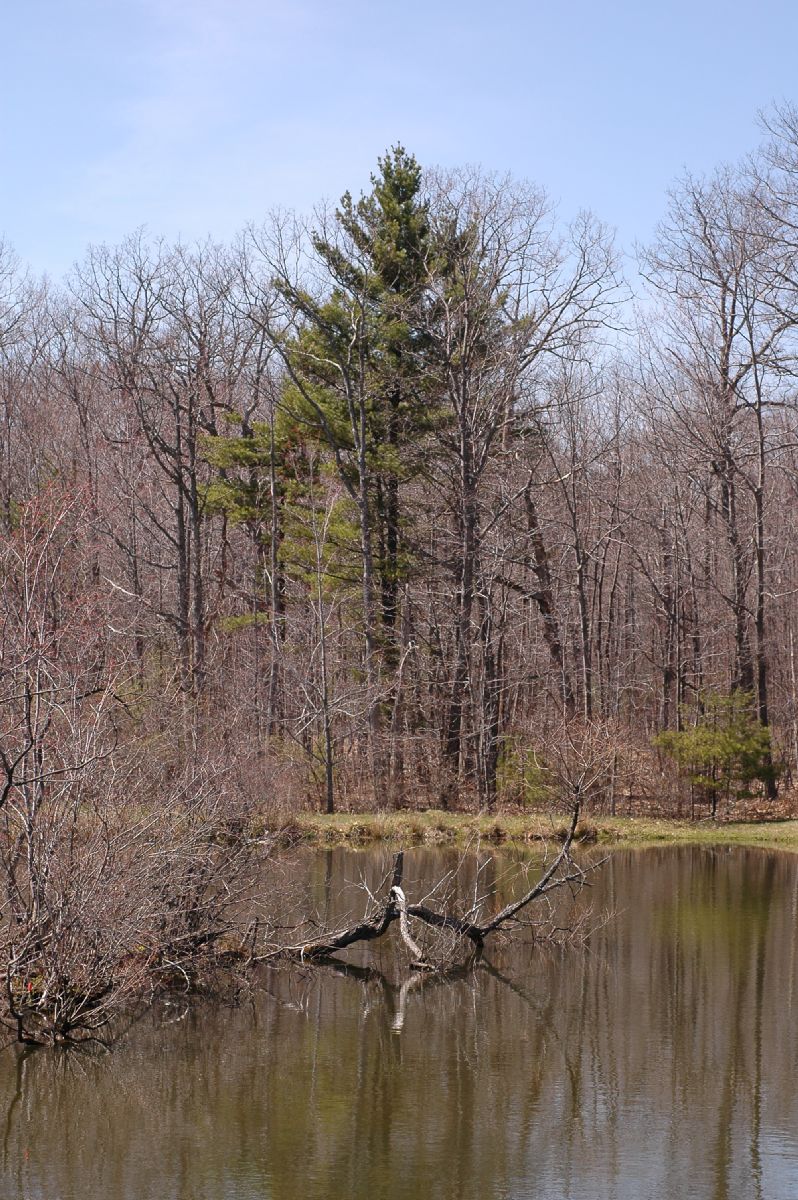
<point x="462" y="829"/>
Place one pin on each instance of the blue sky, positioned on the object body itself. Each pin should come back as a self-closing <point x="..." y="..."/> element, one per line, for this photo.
<point x="192" y="117"/>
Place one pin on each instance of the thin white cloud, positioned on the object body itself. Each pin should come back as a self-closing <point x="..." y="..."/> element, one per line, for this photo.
<point x="194" y="99"/>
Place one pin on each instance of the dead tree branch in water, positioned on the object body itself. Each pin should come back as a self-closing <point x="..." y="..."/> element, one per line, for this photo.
<point x="561" y="872"/>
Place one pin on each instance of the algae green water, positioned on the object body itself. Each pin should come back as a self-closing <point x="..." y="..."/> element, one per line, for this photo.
<point x="658" y="1061"/>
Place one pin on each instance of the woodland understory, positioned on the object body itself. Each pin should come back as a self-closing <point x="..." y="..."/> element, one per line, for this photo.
<point x="418" y="503"/>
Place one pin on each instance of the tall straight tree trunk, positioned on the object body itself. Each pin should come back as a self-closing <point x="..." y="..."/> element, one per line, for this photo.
<point x="368" y="592"/>
<point x="468" y="518"/>
<point x="490" y="701"/>
<point x="544" y="598"/>
<point x="277" y="593"/>
<point x="585" y="648"/>
<point x="743" y="660"/>
<point x="763" y="710"/>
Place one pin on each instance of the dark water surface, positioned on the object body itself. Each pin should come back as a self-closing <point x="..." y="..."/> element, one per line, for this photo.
<point x="661" y="1062"/>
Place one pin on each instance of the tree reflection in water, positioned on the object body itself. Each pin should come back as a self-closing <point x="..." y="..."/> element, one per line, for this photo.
<point x="659" y="1060"/>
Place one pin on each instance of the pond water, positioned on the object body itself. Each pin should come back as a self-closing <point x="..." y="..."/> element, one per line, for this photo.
<point x="658" y="1061"/>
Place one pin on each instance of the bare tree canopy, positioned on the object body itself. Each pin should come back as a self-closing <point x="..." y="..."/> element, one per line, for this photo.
<point x="400" y="506"/>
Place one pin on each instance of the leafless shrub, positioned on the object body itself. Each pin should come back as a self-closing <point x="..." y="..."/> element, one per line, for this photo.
<point x="119" y="876"/>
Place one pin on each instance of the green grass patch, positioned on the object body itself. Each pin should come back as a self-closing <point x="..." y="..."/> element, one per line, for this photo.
<point x="438" y="828"/>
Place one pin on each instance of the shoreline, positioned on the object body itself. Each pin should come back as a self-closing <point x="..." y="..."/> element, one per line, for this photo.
<point x="439" y="828"/>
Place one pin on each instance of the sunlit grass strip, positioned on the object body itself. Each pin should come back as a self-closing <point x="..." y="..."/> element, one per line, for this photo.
<point x="436" y="827"/>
